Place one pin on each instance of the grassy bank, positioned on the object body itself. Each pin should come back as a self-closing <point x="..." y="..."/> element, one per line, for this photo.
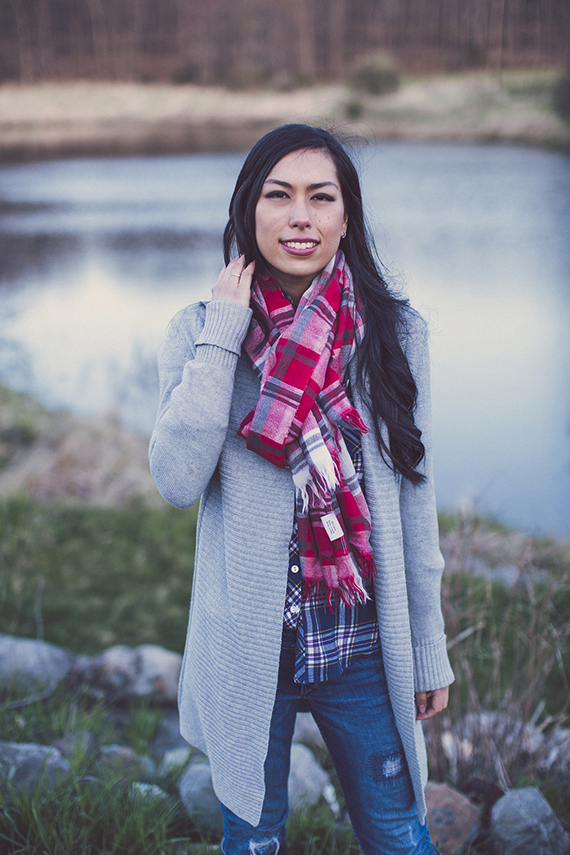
<point x="87" y="118"/>
<point x="87" y="577"/>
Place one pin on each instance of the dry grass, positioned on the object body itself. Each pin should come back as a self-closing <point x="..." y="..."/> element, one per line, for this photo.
<point x="50" y="456"/>
<point x="509" y="642"/>
<point x="93" y="117"/>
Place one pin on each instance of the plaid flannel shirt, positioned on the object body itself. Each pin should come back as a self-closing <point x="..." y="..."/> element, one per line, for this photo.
<point x="327" y="641"/>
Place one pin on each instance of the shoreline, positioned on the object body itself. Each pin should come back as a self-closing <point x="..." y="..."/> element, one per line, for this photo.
<point x="94" y="118"/>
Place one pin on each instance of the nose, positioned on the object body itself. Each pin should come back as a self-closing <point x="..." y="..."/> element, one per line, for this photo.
<point x="300" y="216"/>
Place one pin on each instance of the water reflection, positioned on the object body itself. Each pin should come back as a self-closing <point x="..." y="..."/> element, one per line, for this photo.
<point x="99" y="254"/>
<point x="34" y="256"/>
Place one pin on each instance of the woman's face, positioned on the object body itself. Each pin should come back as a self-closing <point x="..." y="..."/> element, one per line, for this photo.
<point x="299" y="219"/>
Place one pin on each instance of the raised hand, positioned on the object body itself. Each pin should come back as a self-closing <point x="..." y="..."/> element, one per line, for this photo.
<point x="234" y="282"/>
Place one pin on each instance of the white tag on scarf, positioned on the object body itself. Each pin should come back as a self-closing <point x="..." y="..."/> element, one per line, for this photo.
<point x="332" y="526"/>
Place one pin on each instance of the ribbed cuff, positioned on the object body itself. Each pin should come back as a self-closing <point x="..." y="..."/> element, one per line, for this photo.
<point x="225" y="326"/>
<point x="431" y="666"/>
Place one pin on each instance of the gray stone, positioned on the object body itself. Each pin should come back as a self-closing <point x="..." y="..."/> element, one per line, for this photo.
<point x="505" y="730"/>
<point x="307" y="779"/>
<point x="167" y="736"/>
<point x="158" y="671"/>
<point x="124" y="672"/>
<point x="77" y="743"/>
<point x="452" y="819"/>
<point x="523" y="823"/>
<point x="307" y="731"/>
<point x="174" y="761"/>
<point x="28" y="665"/>
<point x="557" y="759"/>
<point x="24" y="766"/>
<point x="122" y="762"/>
<point x="199" y="799"/>
<point x="148" y="792"/>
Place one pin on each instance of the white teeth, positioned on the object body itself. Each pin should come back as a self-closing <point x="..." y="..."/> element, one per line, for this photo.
<point x="297" y="244"/>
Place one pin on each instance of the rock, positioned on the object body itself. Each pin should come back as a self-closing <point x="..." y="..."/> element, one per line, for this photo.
<point x="148" y="792"/>
<point x="523" y="823"/>
<point x="27" y="765"/>
<point x="175" y="760"/>
<point x="452" y="819"/>
<point x="122" y="762"/>
<point x="167" y="736"/>
<point x="30" y="666"/>
<point x="557" y="759"/>
<point x="123" y="672"/>
<point x="307" y="731"/>
<point x="76" y="743"/>
<point x="307" y="779"/>
<point x="114" y="670"/>
<point x="504" y="729"/>
<point x="199" y="799"/>
<point x="158" y="671"/>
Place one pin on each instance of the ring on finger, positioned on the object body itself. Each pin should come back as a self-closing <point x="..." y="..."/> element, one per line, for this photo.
<point x="235" y="274"/>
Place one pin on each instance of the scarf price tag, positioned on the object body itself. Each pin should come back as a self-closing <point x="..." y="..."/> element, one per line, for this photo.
<point x="332" y="526"/>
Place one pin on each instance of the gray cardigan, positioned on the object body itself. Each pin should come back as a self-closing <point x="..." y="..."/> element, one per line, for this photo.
<point x="229" y="672"/>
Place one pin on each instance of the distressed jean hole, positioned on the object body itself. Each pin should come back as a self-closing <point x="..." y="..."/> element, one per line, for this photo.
<point x="264" y="847"/>
<point x="385" y="768"/>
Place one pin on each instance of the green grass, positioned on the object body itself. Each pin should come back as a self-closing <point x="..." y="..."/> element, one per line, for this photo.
<point x="91" y="813"/>
<point x="87" y="578"/>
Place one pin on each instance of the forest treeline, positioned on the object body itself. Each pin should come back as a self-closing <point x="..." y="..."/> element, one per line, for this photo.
<point x="277" y="42"/>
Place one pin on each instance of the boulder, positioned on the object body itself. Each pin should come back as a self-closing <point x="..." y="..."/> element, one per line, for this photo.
<point x="307" y="779"/>
<point x="175" y="760"/>
<point x="167" y="736"/>
<point x="27" y="665"/>
<point x="307" y="731"/>
<point x="199" y="799"/>
<point x="25" y="766"/>
<point x="148" y="793"/>
<point x="557" y="759"/>
<point x="77" y="743"/>
<point x="158" y="671"/>
<point x="523" y="823"/>
<point x="307" y="783"/>
<point x="123" y="672"/>
<point x="452" y="819"/>
<point x="120" y="761"/>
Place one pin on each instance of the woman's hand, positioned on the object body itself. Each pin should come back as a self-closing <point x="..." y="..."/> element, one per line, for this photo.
<point x="429" y="704"/>
<point x="234" y="282"/>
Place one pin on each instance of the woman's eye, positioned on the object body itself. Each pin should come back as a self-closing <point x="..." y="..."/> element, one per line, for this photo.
<point x="276" y="194"/>
<point x="323" y="197"/>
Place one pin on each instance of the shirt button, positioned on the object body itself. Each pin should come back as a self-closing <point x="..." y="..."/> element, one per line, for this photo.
<point x="294" y="568"/>
<point x="295" y="610"/>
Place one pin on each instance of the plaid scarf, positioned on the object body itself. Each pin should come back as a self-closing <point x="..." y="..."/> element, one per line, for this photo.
<point x="296" y="424"/>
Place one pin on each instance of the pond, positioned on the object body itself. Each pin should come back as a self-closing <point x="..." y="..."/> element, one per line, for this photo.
<point x="98" y="254"/>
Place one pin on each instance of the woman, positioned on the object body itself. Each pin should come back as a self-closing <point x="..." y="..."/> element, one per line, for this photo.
<point x="296" y="405"/>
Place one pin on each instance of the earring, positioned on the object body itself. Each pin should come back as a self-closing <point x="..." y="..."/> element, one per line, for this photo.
<point x="343" y="235"/>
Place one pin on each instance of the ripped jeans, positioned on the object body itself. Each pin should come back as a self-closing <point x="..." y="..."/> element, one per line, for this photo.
<point x="355" y="717"/>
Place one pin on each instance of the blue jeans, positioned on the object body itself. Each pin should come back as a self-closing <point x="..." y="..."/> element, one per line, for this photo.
<point x="355" y="718"/>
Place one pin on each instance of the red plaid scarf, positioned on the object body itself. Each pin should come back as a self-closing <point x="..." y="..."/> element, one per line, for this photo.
<point x="296" y="424"/>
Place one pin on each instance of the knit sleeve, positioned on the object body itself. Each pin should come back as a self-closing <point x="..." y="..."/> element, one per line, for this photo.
<point x="196" y="363"/>
<point x="423" y="559"/>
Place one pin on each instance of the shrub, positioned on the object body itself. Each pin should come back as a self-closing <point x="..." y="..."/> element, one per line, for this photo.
<point x="561" y="95"/>
<point x="376" y="74"/>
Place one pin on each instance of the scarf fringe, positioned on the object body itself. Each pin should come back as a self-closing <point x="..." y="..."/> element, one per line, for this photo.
<point x="349" y="592"/>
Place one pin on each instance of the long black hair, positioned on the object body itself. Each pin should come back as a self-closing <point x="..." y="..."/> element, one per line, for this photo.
<point x="384" y="378"/>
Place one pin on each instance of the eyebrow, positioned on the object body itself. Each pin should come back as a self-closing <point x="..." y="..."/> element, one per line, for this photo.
<point x="310" y="187"/>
